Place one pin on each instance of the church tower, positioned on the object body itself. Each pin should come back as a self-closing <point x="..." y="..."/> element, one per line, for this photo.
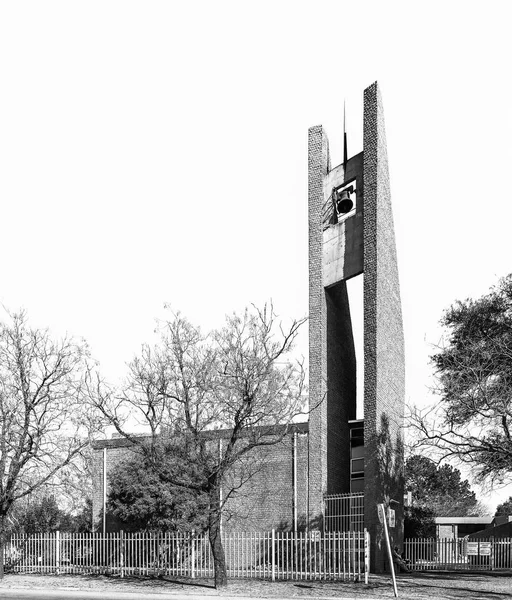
<point x="351" y="233"/>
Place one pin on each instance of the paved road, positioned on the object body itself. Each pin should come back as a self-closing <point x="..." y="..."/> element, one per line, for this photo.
<point x="48" y="594"/>
<point x="27" y="594"/>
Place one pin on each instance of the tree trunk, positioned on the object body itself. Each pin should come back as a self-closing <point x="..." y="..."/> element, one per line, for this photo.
<point x="214" y="532"/>
<point x="3" y="523"/>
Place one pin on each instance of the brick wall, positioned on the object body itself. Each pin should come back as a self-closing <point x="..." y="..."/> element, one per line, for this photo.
<point x="318" y="166"/>
<point x="264" y="502"/>
<point x="332" y="363"/>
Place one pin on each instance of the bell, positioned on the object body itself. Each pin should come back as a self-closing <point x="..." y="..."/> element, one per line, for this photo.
<point x="344" y="203"/>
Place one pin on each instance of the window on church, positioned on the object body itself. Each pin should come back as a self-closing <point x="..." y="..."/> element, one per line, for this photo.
<point x="357" y="459"/>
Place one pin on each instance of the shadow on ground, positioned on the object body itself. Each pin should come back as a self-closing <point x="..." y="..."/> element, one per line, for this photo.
<point x="458" y="585"/>
<point x="412" y="586"/>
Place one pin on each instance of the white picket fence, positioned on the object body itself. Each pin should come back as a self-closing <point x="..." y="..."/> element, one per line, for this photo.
<point x="268" y="555"/>
<point x="462" y="553"/>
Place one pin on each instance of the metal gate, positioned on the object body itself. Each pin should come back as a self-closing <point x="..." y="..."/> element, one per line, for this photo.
<point x="344" y="512"/>
<point x="430" y="554"/>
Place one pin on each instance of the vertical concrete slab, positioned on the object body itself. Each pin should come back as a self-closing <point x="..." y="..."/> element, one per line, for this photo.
<point x="318" y="167"/>
<point x="332" y="387"/>
<point x="384" y="370"/>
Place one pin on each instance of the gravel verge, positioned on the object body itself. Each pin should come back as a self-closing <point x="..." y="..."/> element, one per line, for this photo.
<point x="417" y="586"/>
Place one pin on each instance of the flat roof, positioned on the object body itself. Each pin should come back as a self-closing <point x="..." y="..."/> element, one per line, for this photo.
<point x="121" y="442"/>
<point x="464" y="520"/>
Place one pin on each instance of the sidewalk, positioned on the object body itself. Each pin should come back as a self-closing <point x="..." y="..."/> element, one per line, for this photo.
<point x="102" y="587"/>
<point x="55" y="588"/>
<point x="57" y="594"/>
<point x="415" y="586"/>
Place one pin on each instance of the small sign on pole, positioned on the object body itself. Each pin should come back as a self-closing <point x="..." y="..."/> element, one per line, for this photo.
<point x="391" y="517"/>
<point x="381" y="511"/>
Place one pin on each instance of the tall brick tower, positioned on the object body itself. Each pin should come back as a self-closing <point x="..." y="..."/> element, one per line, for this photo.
<point x="346" y="241"/>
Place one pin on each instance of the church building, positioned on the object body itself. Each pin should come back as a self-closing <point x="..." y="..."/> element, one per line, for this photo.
<point x="332" y="471"/>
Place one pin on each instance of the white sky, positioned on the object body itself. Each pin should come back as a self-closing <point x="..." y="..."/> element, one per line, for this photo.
<point x="156" y="152"/>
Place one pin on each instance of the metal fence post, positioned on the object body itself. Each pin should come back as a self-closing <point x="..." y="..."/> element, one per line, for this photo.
<point x="121" y="552"/>
<point x="57" y="551"/>
<point x="366" y="555"/>
<point x="193" y="555"/>
<point x="273" y="554"/>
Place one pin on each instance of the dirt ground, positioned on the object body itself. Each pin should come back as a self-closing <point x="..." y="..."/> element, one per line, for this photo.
<point x="416" y="586"/>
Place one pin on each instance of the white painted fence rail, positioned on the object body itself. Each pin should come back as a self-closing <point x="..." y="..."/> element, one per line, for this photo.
<point x="269" y="555"/>
<point x="462" y="553"/>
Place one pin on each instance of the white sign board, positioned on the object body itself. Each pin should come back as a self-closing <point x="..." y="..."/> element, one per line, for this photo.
<point x="473" y="548"/>
<point x="381" y="518"/>
<point x="485" y="548"/>
<point x="391" y="517"/>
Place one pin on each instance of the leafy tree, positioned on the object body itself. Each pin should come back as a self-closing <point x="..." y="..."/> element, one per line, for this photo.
<point x="472" y="422"/>
<point x="419" y="522"/>
<point x="239" y="377"/>
<point x="504" y="509"/>
<point x="38" y="517"/>
<point x="142" y="498"/>
<point x="41" y="515"/>
<point x="44" y="418"/>
<point x="439" y="488"/>
<point x="81" y="522"/>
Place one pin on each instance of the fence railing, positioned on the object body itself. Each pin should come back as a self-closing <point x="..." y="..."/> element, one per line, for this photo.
<point x="269" y="555"/>
<point x="344" y="512"/>
<point x="459" y="553"/>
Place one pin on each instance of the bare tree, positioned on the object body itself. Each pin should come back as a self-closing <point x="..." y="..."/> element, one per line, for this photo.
<point x="239" y="378"/>
<point x="44" y="421"/>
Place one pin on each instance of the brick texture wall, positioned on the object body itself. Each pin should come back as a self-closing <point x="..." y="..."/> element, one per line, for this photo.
<point x="318" y="167"/>
<point x="384" y="371"/>
<point x="332" y="365"/>
<point x="264" y="502"/>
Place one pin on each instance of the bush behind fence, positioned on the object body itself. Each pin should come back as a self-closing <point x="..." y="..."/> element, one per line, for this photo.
<point x="270" y="555"/>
